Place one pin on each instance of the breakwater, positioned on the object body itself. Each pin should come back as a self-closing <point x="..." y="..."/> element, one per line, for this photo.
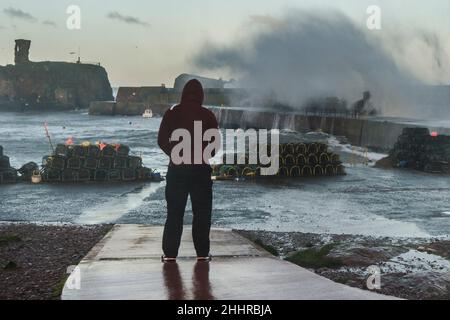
<point x="375" y="133"/>
<point x="372" y="133"/>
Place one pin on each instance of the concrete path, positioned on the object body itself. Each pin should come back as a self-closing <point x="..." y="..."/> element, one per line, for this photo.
<point x="126" y="265"/>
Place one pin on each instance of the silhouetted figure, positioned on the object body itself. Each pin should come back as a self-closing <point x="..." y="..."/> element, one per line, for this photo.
<point x="187" y="178"/>
<point x="363" y="107"/>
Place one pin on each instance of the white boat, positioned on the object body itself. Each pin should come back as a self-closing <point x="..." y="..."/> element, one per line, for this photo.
<point x="148" y="113"/>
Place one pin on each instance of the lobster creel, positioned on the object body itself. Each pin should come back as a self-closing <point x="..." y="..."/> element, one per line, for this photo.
<point x="295" y="160"/>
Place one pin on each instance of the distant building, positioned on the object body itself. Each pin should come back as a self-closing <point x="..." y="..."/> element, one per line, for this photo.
<point x="149" y="95"/>
<point x="207" y="83"/>
<point x="146" y="97"/>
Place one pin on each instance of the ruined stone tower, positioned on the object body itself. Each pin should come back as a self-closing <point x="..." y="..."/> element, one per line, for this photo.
<point x="21" y="51"/>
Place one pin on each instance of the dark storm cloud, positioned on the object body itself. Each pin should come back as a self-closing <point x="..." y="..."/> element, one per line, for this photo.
<point x="127" y="19"/>
<point x="19" y="14"/>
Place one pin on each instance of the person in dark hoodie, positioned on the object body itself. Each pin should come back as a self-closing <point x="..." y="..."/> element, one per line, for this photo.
<point x="191" y="178"/>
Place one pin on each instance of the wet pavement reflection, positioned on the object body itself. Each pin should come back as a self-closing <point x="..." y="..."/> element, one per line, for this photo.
<point x="173" y="282"/>
<point x="200" y="279"/>
<point x="175" y="287"/>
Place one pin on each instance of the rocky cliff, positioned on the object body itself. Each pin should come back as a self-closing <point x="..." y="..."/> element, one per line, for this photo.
<point x="50" y="85"/>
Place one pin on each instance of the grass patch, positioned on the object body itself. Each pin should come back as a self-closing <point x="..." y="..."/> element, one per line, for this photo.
<point x="267" y="247"/>
<point x="315" y="258"/>
<point x="8" y="239"/>
<point x="109" y="228"/>
<point x="58" y="288"/>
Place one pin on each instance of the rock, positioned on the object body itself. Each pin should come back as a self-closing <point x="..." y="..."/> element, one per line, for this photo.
<point x="440" y="248"/>
<point x="26" y="171"/>
<point x="385" y="163"/>
<point x="413" y="278"/>
<point x="11" y="265"/>
<point x="425" y="285"/>
<point x="362" y="256"/>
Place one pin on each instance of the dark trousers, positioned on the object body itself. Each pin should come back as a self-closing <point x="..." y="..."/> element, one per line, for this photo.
<point x="181" y="182"/>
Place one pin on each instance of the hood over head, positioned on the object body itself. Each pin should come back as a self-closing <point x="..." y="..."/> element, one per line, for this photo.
<point x="192" y="93"/>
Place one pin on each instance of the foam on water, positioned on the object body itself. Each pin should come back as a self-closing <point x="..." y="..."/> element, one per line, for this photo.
<point x="359" y="151"/>
<point x="415" y="261"/>
<point x="113" y="209"/>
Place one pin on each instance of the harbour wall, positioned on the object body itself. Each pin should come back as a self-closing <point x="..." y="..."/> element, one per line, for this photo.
<point x="371" y="133"/>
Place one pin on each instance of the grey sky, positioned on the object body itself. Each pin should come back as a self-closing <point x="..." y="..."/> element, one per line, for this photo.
<point x="150" y="42"/>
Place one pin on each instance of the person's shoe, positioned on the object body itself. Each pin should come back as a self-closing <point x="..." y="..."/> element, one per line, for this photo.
<point x="168" y="259"/>
<point x="208" y="258"/>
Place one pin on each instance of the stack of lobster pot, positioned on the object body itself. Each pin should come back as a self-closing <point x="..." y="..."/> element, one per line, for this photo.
<point x="7" y="173"/>
<point x="417" y="148"/>
<point x="295" y="160"/>
<point x="93" y="162"/>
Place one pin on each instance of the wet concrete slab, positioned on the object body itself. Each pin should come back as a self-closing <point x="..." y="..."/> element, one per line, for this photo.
<point x="126" y="265"/>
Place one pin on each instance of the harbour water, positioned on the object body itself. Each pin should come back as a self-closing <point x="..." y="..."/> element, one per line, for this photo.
<point x="367" y="200"/>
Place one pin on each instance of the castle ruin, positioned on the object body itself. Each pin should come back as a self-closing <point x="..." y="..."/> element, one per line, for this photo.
<point x="22" y="51"/>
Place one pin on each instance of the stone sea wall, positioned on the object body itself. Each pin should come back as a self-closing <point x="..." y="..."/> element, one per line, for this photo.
<point x="371" y="133"/>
